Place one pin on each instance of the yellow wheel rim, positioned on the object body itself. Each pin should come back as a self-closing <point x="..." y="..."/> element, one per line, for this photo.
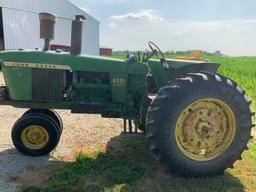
<point x="35" y="137"/>
<point x="205" y="129"/>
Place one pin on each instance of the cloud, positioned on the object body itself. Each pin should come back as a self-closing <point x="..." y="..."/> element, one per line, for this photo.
<point x="214" y="26"/>
<point x="245" y="22"/>
<point x="112" y="24"/>
<point x="143" y="15"/>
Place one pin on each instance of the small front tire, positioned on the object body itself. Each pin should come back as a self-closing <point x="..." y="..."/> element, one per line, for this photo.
<point x="35" y="135"/>
<point x="48" y="112"/>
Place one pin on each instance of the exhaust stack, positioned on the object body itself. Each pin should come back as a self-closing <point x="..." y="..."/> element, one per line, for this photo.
<point x="77" y="34"/>
<point x="47" y="28"/>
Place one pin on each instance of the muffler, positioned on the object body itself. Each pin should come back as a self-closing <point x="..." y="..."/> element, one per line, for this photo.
<point x="77" y="35"/>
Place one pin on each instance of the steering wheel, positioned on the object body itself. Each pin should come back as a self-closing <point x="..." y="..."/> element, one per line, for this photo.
<point x="155" y="49"/>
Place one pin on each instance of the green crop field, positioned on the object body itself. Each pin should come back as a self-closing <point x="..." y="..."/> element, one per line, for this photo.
<point x="127" y="165"/>
<point x="242" y="70"/>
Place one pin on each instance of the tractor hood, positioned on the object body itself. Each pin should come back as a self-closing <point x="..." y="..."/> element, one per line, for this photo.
<point x="54" y="60"/>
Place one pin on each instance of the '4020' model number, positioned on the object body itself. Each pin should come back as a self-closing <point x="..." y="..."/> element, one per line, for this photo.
<point x="118" y="82"/>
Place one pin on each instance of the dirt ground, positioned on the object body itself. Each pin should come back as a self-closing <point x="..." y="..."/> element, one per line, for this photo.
<point x="80" y="132"/>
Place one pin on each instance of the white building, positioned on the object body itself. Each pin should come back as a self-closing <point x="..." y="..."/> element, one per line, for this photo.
<point x="19" y="24"/>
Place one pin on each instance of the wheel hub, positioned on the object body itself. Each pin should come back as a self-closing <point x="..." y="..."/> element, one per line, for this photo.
<point x="205" y="129"/>
<point x="35" y="137"/>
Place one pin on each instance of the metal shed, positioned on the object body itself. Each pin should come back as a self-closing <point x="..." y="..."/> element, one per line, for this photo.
<point x="19" y="24"/>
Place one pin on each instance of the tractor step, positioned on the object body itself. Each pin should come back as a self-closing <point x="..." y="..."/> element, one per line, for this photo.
<point x="130" y="126"/>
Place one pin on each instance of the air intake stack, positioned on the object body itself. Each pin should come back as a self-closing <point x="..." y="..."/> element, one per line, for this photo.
<point x="77" y="35"/>
<point x="47" y="28"/>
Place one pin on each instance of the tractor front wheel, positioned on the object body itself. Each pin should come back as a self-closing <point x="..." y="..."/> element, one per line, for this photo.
<point x="48" y="112"/>
<point x="35" y="135"/>
<point x="200" y="124"/>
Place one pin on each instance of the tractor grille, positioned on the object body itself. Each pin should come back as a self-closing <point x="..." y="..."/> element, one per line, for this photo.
<point x="48" y="84"/>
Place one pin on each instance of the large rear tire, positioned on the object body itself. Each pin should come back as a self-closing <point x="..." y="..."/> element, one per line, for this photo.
<point x="199" y="125"/>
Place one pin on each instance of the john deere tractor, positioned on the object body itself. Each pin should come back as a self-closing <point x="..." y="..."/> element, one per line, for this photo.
<point x="197" y="122"/>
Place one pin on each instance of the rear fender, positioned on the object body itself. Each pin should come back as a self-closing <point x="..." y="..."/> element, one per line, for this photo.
<point x="193" y="68"/>
<point x="161" y="76"/>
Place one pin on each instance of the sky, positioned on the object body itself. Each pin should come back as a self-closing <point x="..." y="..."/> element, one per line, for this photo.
<point x="179" y="25"/>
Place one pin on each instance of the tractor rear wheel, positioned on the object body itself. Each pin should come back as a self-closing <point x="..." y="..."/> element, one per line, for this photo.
<point x="200" y="124"/>
<point x="35" y="135"/>
<point x="49" y="112"/>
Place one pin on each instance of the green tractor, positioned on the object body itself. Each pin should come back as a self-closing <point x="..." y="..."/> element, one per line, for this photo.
<point x="197" y="122"/>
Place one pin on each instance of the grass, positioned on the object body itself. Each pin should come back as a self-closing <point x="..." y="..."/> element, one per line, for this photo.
<point x="240" y="69"/>
<point x="127" y="166"/>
